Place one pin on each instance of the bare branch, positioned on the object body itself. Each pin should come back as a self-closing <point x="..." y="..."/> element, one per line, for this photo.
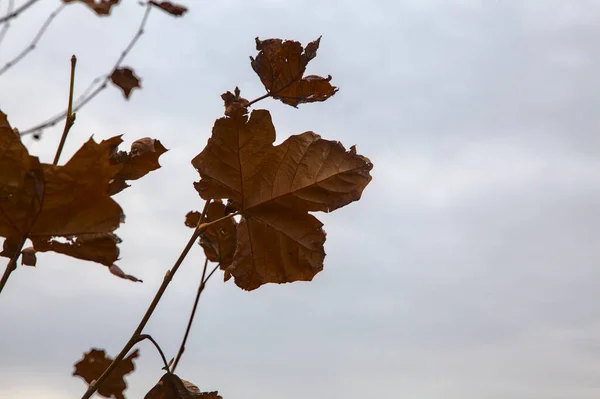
<point x="97" y="85"/>
<point x="10" y="15"/>
<point x="34" y="42"/>
<point x="11" y="6"/>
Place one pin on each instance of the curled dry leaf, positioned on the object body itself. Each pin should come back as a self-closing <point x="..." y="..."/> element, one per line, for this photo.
<point x="117" y="271"/>
<point x="173" y="9"/>
<point x="65" y="209"/>
<point x="171" y="386"/>
<point x="141" y="160"/>
<point x="93" y="364"/>
<point x="274" y="188"/>
<point x="100" y="7"/>
<point x="234" y="104"/>
<point x="218" y="241"/>
<point x="28" y="257"/>
<point x="125" y="79"/>
<point x="281" y="66"/>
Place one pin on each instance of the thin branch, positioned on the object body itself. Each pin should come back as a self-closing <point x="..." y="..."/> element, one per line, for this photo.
<point x="34" y="42"/>
<point x="11" y="266"/>
<point x="157" y="346"/>
<point x="192" y="314"/>
<point x="161" y="290"/>
<point x="11" y="6"/>
<point x="104" y="79"/>
<point x="15" y="13"/>
<point x="70" y="115"/>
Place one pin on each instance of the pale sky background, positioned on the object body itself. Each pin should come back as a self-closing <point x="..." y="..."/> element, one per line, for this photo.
<point x="469" y="269"/>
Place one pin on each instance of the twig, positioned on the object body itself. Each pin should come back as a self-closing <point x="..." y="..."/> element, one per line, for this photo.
<point x="11" y="6"/>
<point x="258" y="99"/>
<point x="193" y="313"/>
<point x="167" y="279"/>
<point x="104" y="79"/>
<point x="12" y="263"/>
<point x="34" y="42"/>
<point x="157" y="346"/>
<point x="15" y="13"/>
<point x="70" y="115"/>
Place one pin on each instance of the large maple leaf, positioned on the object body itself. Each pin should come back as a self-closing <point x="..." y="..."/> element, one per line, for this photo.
<point x="69" y="208"/>
<point x="274" y="188"/>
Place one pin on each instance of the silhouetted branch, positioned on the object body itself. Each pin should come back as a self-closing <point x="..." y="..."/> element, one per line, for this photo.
<point x="34" y="42"/>
<point x="12" y="14"/>
<point x="9" y="9"/>
<point x="97" y="85"/>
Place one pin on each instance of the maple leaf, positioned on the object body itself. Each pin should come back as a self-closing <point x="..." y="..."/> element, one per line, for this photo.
<point x="93" y="364"/>
<point x="173" y="9"/>
<point x="281" y="66"/>
<point x="100" y="7"/>
<point x="171" y="386"/>
<point x="125" y="79"/>
<point x="218" y="241"/>
<point x="66" y="209"/>
<point x="274" y="188"/>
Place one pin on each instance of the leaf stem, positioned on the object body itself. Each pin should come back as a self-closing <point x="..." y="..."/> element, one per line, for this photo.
<point x="259" y="98"/>
<point x="203" y="226"/>
<point x="161" y="290"/>
<point x="157" y="346"/>
<point x="70" y="115"/>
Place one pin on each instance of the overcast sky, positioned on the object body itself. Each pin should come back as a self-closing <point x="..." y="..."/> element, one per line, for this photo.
<point x="468" y="270"/>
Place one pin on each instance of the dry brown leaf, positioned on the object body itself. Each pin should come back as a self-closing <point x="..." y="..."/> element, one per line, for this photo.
<point x="100" y="7"/>
<point x="234" y="104"/>
<point x="28" y="257"/>
<point x="125" y="79"/>
<point x="281" y="66"/>
<point x="171" y="386"/>
<point x="93" y="364"/>
<point x="173" y="9"/>
<point x="192" y="218"/>
<point x="117" y="271"/>
<point x="141" y="160"/>
<point x="274" y="188"/>
<point x="65" y="209"/>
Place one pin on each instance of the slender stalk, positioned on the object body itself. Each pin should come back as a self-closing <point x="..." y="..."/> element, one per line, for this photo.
<point x="161" y="290"/>
<point x="102" y="81"/>
<point x="16" y="12"/>
<point x="12" y="263"/>
<point x="259" y="98"/>
<point x="157" y="346"/>
<point x="192" y="314"/>
<point x="34" y="42"/>
<point x="70" y="115"/>
<point x="11" y="6"/>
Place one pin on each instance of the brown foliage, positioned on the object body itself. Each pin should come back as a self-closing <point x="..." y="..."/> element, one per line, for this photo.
<point x="274" y="188"/>
<point x="281" y="66"/>
<point x="100" y="7"/>
<point x="93" y="364"/>
<point x="68" y="209"/>
<point x="171" y="386"/>
<point x="173" y="9"/>
<point x="125" y="79"/>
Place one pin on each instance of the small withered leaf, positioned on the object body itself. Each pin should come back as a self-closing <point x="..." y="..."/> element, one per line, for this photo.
<point x="234" y="104"/>
<point x="274" y="188"/>
<point x="192" y="218"/>
<point x="100" y="7"/>
<point x="173" y="9"/>
<point x="171" y="386"/>
<point x="28" y="257"/>
<point x="96" y="247"/>
<point x="125" y="79"/>
<point x="117" y="271"/>
<point x="281" y="66"/>
<point x="93" y="364"/>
